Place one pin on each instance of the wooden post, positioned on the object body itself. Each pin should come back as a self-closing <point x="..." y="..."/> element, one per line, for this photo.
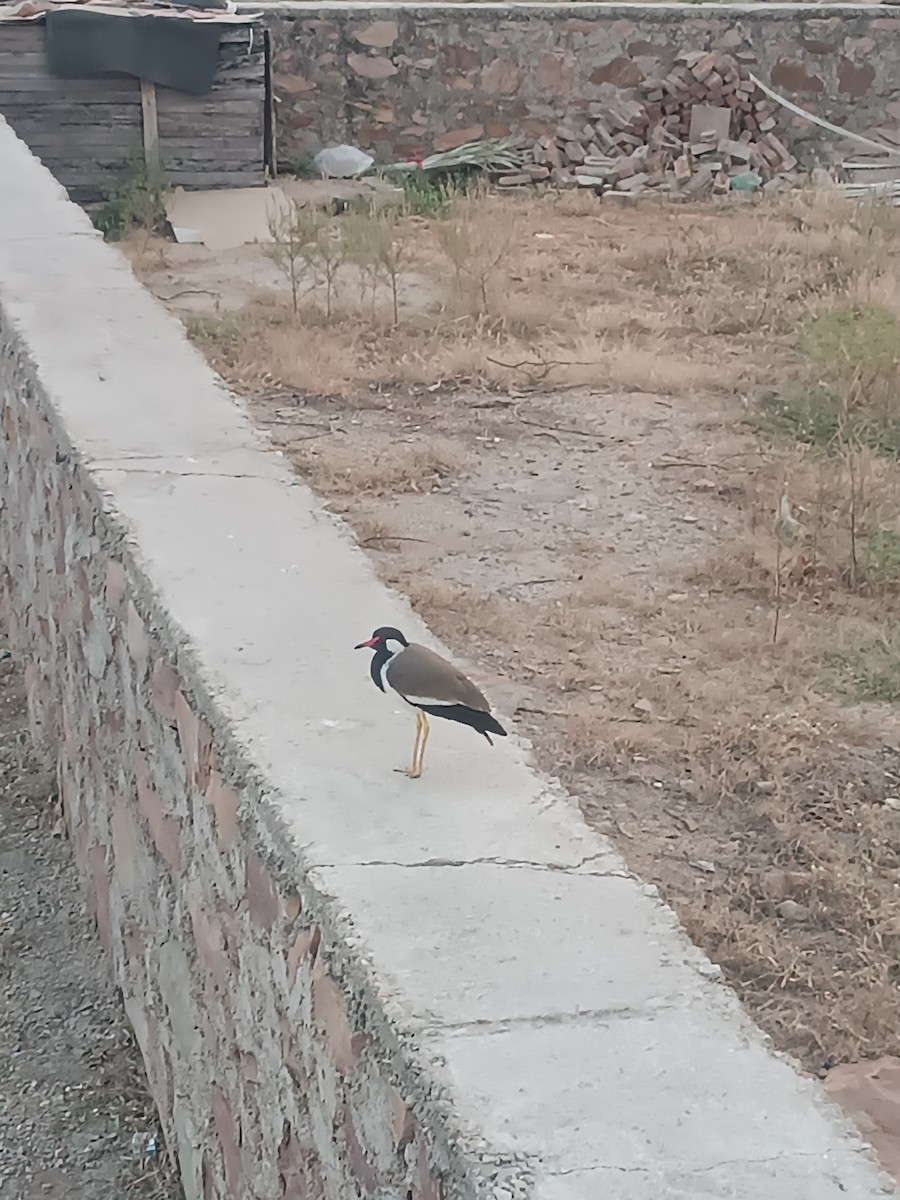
<point x="151" y="133"/>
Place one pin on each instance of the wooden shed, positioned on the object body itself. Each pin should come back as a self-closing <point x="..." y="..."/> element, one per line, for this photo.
<point x="91" y="132"/>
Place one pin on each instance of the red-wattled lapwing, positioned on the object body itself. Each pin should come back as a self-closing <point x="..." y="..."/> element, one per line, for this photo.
<point x="430" y="685"/>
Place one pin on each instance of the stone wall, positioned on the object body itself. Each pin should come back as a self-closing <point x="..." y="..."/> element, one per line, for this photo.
<point x="403" y="81"/>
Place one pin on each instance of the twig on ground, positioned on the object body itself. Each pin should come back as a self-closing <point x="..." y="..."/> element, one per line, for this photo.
<point x="661" y="464"/>
<point x="534" y="583"/>
<point x="553" y="430"/>
<point x="544" y="365"/>
<point x="392" y="537"/>
<point x="187" y="292"/>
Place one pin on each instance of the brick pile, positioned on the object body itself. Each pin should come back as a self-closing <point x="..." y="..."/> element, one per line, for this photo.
<point x="689" y="134"/>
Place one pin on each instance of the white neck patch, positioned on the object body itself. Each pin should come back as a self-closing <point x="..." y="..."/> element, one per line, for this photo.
<point x="393" y="648"/>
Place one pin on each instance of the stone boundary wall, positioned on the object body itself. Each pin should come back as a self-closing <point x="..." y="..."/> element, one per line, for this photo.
<point x="403" y="80"/>
<point x="344" y="983"/>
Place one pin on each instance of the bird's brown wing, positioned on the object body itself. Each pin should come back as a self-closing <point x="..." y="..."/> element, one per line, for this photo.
<point x="420" y="674"/>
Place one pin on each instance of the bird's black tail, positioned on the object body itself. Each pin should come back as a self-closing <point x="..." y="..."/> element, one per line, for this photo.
<point x="481" y="722"/>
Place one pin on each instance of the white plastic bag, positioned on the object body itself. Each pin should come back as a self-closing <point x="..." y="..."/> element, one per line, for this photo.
<point x="342" y="162"/>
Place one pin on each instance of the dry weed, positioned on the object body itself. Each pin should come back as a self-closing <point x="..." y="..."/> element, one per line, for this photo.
<point x="517" y="283"/>
<point x="399" y="470"/>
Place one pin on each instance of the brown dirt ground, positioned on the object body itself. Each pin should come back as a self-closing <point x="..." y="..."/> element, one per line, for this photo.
<point x="593" y="531"/>
<point x="72" y="1087"/>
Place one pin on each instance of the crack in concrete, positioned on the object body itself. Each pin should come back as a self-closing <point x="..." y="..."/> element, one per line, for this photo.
<point x="705" y="1168"/>
<point x="101" y="466"/>
<point x="495" y="861"/>
<point x="582" y="1016"/>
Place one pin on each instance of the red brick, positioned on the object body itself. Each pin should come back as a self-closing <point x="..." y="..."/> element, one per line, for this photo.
<point x="291" y="1058"/>
<point x="163" y="827"/>
<point x="577" y="25"/>
<point x="135" y="946"/>
<point x="621" y="72"/>
<point x="206" y="1179"/>
<point x="425" y="1186"/>
<point x="458" y="137"/>
<point x="115" y="584"/>
<point x="460" y="58"/>
<point x="231" y="932"/>
<point x="155" y="1062"/>
<point x="136" y="638"/>
<point x="210" y="943"/>
<point x="196" y="743"/>
<point x="100" y="877"/>
<point x="205" y="757"/>
<point x="403" y="1122"/>
<point x="261" y="894"/>
<point x="229" y="1140"/>
<point x="305" y="945"/>
<point x="224" y="801"/>
<point x="855" y="79"/>
<point x="41" y="436"/>
<point x="292" y="1166"/>
<point x="330" y="1015"/>
<point x="165" y="685"/>
<point x="500" y="78"/>
<point x="123" y="844"/>
<point x="790" y="76"/>
<point x="359" y="1164"/>
<point x="186" y="721"/>
<point x="83" y="585"/>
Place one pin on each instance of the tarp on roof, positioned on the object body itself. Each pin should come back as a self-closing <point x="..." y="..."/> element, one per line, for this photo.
<point x="218" y="11"/>
<point x="160" y="41"/>
<point x="176" y="54"/>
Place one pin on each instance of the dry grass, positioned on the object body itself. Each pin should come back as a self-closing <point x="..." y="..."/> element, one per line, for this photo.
<point x="710" y="656"/>
<point x="533" y="291"/>
<point x="504" y="293"/>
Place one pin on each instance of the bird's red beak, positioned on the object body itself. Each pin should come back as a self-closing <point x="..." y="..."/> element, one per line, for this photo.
<point x="373" y="641"/>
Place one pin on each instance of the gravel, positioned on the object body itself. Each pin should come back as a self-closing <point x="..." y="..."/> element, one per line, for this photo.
<point x="73" y="1093"/>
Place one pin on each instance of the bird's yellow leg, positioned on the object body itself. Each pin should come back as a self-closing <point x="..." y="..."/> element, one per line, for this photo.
<point x="424" y="738"/>
<point x="411" y="772"/>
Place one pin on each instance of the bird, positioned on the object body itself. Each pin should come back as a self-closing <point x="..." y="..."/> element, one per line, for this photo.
<point x="430" y="685"/>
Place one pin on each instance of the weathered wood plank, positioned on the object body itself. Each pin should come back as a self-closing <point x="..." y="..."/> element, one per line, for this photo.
<point x="150" y="131"/>
<point x="238" y="99"/>
<point x="125" y="141"/>
<point x="33" y="59"/>
<point x="119" y="158"/>
<point x="122" y="87"/>
<point x="120" y="149"/>
<point x="34" y="54"/>
<point x="189" y="178"/>
<point x="125" y="89"/>
<point x="59" y="112"/>
<point x="113" y="170"/>
<point x="183" y="128"/>
<point x="18" y="67"/>
<point x="225" y="145"/>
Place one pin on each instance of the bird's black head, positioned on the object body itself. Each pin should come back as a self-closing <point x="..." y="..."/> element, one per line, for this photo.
<point x="385" y="639"/>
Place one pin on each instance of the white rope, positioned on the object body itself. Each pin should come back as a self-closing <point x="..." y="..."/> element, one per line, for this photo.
<point x="836" y="129"/>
